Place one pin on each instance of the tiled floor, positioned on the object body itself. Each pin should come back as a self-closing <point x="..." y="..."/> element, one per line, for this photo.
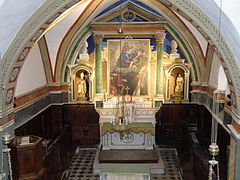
<point x="82" y="165"/>
<point x="171" y="165"/>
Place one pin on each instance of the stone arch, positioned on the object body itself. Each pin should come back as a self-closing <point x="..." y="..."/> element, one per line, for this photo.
<point x="210" y="31"/>
<point x="18" y="50"/>
<point x="190" y="52"/>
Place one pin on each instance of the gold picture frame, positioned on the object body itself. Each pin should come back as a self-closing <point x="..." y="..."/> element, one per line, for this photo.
<point x="128" y="61"/>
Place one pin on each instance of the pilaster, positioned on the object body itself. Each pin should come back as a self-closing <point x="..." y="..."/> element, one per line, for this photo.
<point x="160" y="37"/>
<point x="98" y="63"/>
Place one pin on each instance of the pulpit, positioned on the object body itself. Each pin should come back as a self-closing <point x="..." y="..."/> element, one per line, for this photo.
<point x="27" y="158"/>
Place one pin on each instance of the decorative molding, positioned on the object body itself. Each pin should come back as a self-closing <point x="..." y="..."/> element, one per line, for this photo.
<point x="9" y="96"/>
<point x="43" y="47"/>
<point x="223" y="50"/>
<point x="235" y="134"/>
<point x="63" y="50"/>
<point x="236" y="126"/>
<point x="74" y="46"/>
<point x="6" y="119"/>
<point x="24" y="100"/>
<point x="205" y="101"/>
<point x="24" y="40"/>
<point x="6" y="125"/>
<point x="204" y="88"/>
<point x="38" y="34"/>
<point x="23" y="54"/>
<point x="29" y="97"/>
<point x="14" y="74"/>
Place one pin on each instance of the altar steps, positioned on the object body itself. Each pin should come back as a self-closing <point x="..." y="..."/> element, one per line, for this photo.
<point x="128" y="156"/>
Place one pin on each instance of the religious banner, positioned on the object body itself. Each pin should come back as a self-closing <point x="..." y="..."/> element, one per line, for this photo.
<point x="129" y="63"/>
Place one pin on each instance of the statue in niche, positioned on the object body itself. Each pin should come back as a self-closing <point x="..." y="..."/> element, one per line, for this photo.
<point x="178" y="89"/>
<point x="82" y="87"/>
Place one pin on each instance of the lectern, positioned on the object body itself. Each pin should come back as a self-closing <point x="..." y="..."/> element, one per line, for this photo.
<point x="27" y="158"/>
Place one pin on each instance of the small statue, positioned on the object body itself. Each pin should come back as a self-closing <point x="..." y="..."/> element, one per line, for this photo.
<point x="84" y="47"/>
<point x="179" y="85"/>
<point x="82" y="87"/>
<point x="174" y="46"/>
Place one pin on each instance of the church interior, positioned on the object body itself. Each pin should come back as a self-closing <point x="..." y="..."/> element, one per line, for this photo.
<point x="119" y="90"/>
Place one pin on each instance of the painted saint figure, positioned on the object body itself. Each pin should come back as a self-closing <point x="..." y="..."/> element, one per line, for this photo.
<point x="82" y="87"/>
<point x="126" y="56"/>
<point x="179" y="85"/>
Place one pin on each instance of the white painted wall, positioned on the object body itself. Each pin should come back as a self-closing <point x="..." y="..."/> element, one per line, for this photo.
<point x="201" y="40"/>
<point x="213" y="79"/>
<point x="217" y="77"/>
<point x="231" y="8"/>
<point x="1" y="2"/>
<point x="222" y="79"/>
<point x="228" y="26"/>
<point x="13" y="15"/>
<point x="32" y="75"/>
<point x="55" y="35"/>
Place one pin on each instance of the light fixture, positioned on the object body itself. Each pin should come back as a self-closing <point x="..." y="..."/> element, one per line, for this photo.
<point x="6" y="139"/>
<point x="121" y="122"/>
<point x="214" y="151"/>
<point x="120" y="30"/>
<point x="213" y="147"/>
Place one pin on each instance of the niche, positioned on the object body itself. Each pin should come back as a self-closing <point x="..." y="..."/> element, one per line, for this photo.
<point x="81" y="85"/>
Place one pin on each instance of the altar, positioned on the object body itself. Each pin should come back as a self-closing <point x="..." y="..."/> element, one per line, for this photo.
<point x="129" y="73"/>
<point x="138" y="133"/>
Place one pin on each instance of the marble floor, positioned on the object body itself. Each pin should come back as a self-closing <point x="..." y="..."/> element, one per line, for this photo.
<point x="82" y="165"/>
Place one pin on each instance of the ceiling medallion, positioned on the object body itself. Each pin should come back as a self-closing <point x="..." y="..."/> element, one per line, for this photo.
<point x="128" y="16"/>
<point x="9" y="95"/>
<point x="24" y="54"/>
<point x="14" y="74"/>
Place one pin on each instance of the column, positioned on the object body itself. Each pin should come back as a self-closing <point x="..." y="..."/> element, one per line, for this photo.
<point x="98" y="63"/>
<point x="186" y="86"/>
<point x="160" y="37"/>
<point x="168" y="85"/>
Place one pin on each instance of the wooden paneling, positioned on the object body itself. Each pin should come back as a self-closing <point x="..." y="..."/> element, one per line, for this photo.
<point x="27" y="160"/>
<point x="85" y="123"/>
<point x="200" y="164"/>
<point x="171" y="120"/>
<point x="47" y="124"/>
<point x="204" y="127"/>
<point x="175" y="124"/>
<point x="50" y="125"/>
<point x="223" y="144"/>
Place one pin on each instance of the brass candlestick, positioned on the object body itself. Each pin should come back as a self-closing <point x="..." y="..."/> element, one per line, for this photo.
<point x="6" y="138"/>
<point x="213" y="151"/>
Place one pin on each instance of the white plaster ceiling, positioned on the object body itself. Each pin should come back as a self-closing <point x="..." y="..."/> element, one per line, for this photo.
<point x="201" y="40"/>
<point x="231" y="9"/>
<point x="56" y="34"/>
<point x="13" y="15"/>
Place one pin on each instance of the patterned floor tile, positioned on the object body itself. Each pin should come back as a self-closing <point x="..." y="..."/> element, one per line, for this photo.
<point x="82" y="165"/>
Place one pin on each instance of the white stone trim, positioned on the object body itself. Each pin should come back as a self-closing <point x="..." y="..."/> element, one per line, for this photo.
<point x="7" y="125"/>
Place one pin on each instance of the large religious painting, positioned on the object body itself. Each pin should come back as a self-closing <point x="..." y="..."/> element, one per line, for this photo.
<point x="129" y="61"/>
